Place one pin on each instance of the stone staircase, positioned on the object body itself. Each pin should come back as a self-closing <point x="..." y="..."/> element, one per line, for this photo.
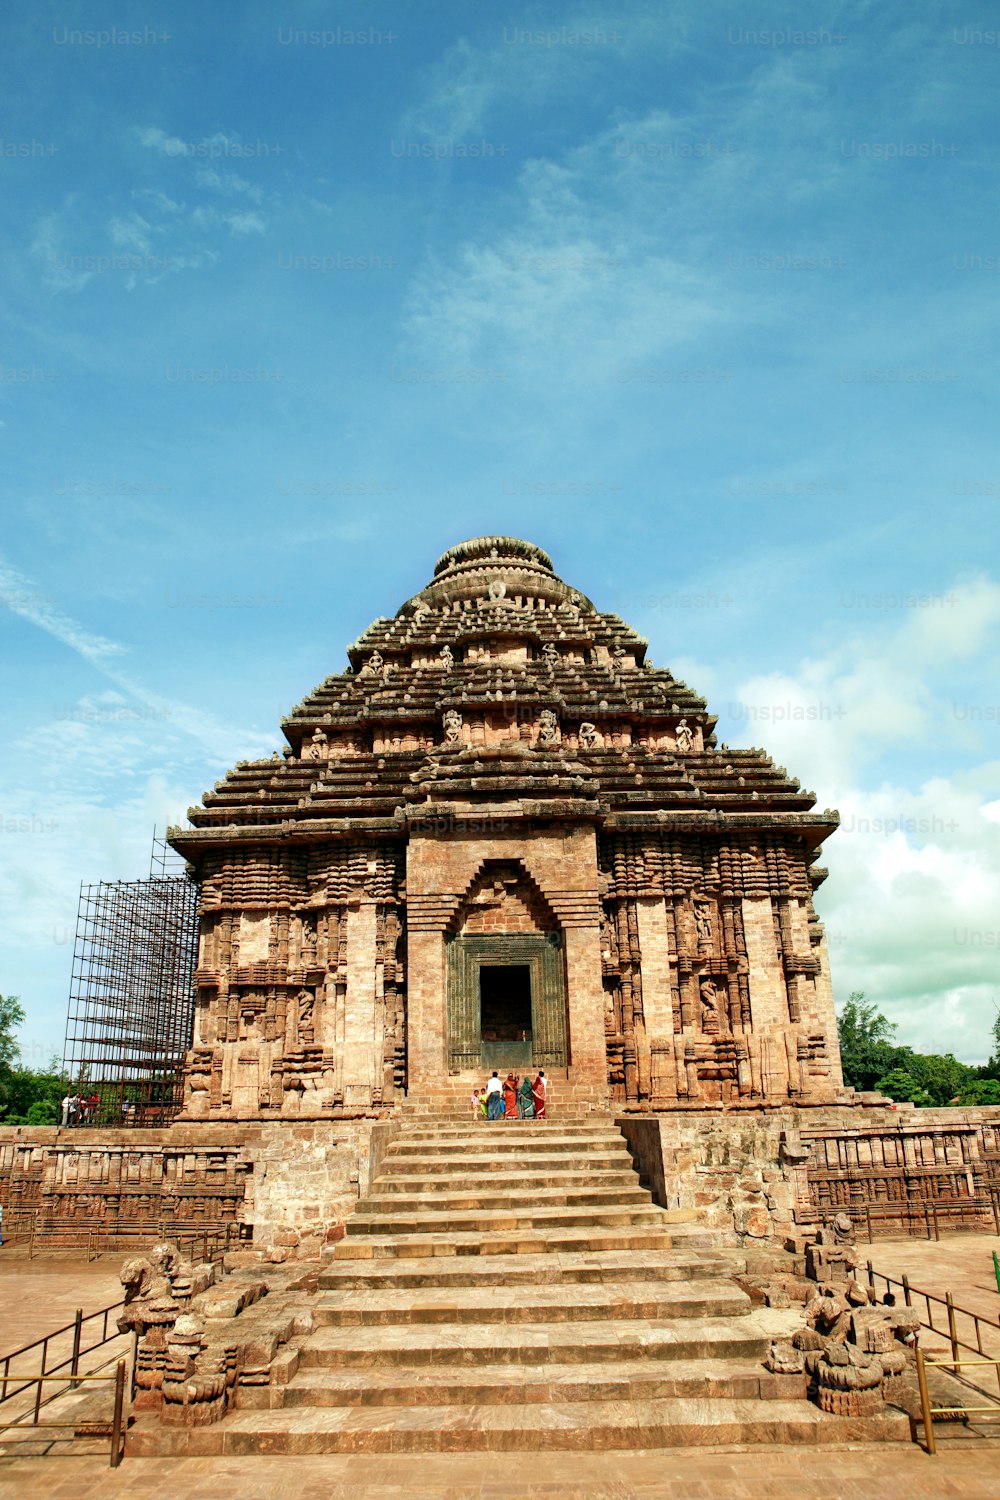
<point x="511" y="1286"/>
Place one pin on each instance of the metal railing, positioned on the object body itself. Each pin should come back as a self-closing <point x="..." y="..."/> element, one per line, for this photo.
<point x="951" y="1313"/>
<point x="928" y="1412"/>
<point x="74" y="1381"/>
<point x="930" y="1214"/>
<point x="100" y="1238"/>
<point x="213" y="1243"/>
<point x="72" y="1359"/>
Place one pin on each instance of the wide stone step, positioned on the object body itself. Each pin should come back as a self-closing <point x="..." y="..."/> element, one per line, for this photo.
<point x="522" y="1242"/>
<point x="486" y="1196"/>
<point x="567" y="1270"/>
<point x="624" y="1380"/>
<point x="518" y="1428"/>
<point x="518" y="1129"/>
<point x="485" y="1307"/>
<point x="489" y="1142"/>
<point x="498" y="1160"/>
<point x="435" y="1182"/>
<point x="500" y="1222"/>
<point x="594" y="1341"/>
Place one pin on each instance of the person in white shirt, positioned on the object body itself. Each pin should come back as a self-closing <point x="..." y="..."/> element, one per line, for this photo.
<point x="494" y="1098"/>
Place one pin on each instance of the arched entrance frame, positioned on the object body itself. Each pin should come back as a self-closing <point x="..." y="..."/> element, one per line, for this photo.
<point x="440" y="871"/>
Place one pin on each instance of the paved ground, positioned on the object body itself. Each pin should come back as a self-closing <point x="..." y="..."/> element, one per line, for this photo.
<point x="960" y="1263"/>
<point x="36" y="1295"/>
<point x="684" y="1474"/>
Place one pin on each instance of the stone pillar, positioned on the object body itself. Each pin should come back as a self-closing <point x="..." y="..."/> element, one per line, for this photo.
<point x="585" y="997"/>
<point x="426" y="1057"/>
<point x="654" y="946"/>
<point x="362" y="1060"/>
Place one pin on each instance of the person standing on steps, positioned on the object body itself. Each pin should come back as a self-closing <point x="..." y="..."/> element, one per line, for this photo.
<point x="474" y="1101"/>
<point x="538" y="1089"/>
<point x="525" y="1099"/>
<point x="494" y="1098"/>
<point x="510" y="1097"/>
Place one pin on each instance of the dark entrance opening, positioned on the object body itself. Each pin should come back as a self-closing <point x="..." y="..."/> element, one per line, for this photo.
<point x="505" y="1014"/>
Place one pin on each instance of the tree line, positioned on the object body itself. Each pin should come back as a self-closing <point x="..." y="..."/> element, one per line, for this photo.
<point x="873" y="1059"/>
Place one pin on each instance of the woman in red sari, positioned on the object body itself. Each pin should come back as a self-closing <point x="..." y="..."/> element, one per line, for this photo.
<point x="510" y="1097"/>
<point x="538" y="1094"/>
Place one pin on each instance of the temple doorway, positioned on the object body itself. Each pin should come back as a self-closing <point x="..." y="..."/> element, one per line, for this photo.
<point x="506" y="1002"/>
<point x="505" y="1015"/>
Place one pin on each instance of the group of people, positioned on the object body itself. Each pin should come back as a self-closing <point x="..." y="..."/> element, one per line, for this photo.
<point x="78" y="1110"/>
<point x="510" y="1098"/>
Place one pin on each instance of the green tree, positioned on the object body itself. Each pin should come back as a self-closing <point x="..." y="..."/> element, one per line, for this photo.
<point x="941" y="1078"/>
<point x="902" y="1087"/>
<point x="11" y="1017"/>
<point x="867" y="1047"/>
<point x="980" y="1091"/>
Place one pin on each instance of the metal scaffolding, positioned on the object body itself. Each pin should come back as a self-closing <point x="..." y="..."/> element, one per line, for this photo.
<point x="131" y="1001"/>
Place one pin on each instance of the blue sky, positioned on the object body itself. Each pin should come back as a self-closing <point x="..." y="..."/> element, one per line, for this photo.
<point x="701" y="302"/>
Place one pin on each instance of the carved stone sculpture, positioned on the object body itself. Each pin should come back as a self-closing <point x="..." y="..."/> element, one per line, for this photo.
<point x="588" y="735"/>
<point x="849" y="1382"/>
<point x="684" y="737"/>
<point x="548" y="727"/>
<point x="452" y="722"/>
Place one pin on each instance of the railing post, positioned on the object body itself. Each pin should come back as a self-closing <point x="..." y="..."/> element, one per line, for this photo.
<point x="906" y="1290"/>
<point x="77" y="1331"/>
<point x="925" y="1403"/>
<point x="871" y="1276"/>
<point x="996" y="1258"/>
<point x="952" y="1334"/>
<point x="116" y="1424"/>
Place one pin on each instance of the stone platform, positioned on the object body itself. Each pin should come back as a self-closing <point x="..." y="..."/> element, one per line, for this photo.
<point x="510" y="1287"/>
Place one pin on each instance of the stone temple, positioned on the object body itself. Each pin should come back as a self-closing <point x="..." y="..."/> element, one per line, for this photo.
<point x="502" y="838"/>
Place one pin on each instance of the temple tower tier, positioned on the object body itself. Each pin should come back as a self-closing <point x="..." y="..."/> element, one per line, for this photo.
<point x="502" y="839"/>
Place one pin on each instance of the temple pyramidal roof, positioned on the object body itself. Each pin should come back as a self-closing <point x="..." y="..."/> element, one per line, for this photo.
<point x="499" y="690"/>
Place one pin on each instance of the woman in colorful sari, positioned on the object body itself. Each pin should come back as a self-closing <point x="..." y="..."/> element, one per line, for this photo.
<point x="510" y="1097"/>
<point x="538" y="1094"/>
<point x="525" y="1099"/>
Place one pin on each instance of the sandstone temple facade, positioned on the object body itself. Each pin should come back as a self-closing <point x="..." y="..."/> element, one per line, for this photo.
<point x="502" y="838"/>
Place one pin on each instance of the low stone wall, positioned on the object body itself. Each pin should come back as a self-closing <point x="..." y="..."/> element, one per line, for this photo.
<point x="741" y="1174"/>
<point x="292" y="1184"/>
<point x="774" y="1174"/>
<point x="307" y="1178"/>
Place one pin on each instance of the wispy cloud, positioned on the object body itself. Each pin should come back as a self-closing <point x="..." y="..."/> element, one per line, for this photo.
<point x="24" y="598"/>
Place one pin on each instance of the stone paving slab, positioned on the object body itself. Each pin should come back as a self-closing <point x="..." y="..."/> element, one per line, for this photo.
<point x="558" y="1343"/>
<point x="803" y="1473"/>
<point x="362" y="1221"/>
<point x="524" y="1242"/>
<point x="513" y="1305"/>
<point x="518" y="1270"/>
<point x="626" y="1380"/>
<point x="489" y="1196"/>
<point x="598" y="1425"/>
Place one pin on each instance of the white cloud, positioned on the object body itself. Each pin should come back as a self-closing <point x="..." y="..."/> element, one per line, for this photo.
<point x="912" y="905"/>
